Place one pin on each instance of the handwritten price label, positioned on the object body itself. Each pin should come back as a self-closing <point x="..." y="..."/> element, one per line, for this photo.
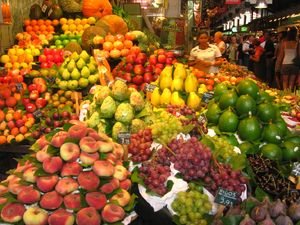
<point x="296" y="169"/>
<point x="37" y="113"/>
<point x="51" y="80"/>
<point x="150" y="87"/>
<point x="124" y="138"/>
<point x="19" y="87"/>
<point x="225" y="197"/>
<point x="207" y="96"/>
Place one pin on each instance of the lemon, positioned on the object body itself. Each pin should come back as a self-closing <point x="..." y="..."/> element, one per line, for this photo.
<point x="24" y="65"/>
<point x="70" y="21"/>
<point x="16" y="65"/>
<point x="79" y="27"/>
<point x="8" y="65"/>
<point x="91" y="20"/>
<point x="72" y="27"/>
<point x="65" y="27"/>
<point x="77" y="21"/>
<point x="5" y="59"/>
<point x="20" y="51"/>
<point x="86" y="26"/>
<point x="11" y="51"/>
<point x="63" y="21"/>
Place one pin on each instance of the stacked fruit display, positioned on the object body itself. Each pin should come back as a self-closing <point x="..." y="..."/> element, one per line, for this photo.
<point x="61" y="41"/>
<point x="36" y="27"/>
<point x="25" y="40"/>
<point x="10" y="94"/>
<point x="55" y="179"/>
<point x="63" y="99"/>
<point x="118" y="107"/>
<point x="17" y="58"/>
<point x="51" y="57"/>
<point x="77" y="72"/>
<point x="76" y="26"/>
<point x="173" y="81"/>
<point x="252" y="115"/>
<point x="15" y="125"/>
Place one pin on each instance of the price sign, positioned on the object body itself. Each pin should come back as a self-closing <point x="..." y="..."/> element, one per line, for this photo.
<point x="51" y="80"/>
<point x="150" y="87"/>
<point x="296" y="169"/>
<point x="207" y="96"/>
<point x="36" y="66"/>
<point x="50" y="12"/>
<point x="44" y="8"/>
<point x="19" y="87"/>
<point x="124" y="138"/>
<point x="119" y="78"/>
<point x="225" y="197"/>
<point x="37" y="113"/>
<point x="202" y="118"/>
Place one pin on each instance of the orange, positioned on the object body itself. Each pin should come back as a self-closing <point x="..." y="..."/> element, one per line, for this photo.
<point x="2" y="139"/>
<point x="36" y="28"/>
<point x="23" y="130"/>
<point x="9" y="138"/>
<point x="17" y="96"/>
<point x="55" y="22"/>
<point x="47" y="22"/>
<point x="50" y="28"/>
<point x="3" y="125"/>
<point x="43" y="27"/>
<point x="29" y="29"/>
<point x="109" y="38"/>
<point x="17" y="115"/>
<point x="14" y="131"/>
<point x="2" y="115"/>
<point x="107" y="45"/>
<point x="27" y="22"/>
<point x="128" y="44"/>
<point x="33" y="22"/>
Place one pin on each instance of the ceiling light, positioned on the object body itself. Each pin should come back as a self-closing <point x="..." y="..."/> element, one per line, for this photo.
<point x="261" y="4"/>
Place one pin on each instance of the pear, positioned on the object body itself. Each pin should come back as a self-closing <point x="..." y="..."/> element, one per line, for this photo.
<point x="165" y="97"/>
<point x="155" y="97"/>
<point x="80" y="63"/>
<point x="177" y="84"/>
<point x="179" y="71"/>
<point x="85" y="72"/>
<point x="166" y="78"/>
<point x="66" y="74"/>
<point x="75" y="75"/>
<point x="92" y="60"/>
<point x="176" y="99"/>
<point x="191" y="83"/>
<point x="85" y="56"/>
<point x="92" y="68"/>
<point x="75" y="56"/>
<point x="193" y="100"/>
<point x="71" y="65"/>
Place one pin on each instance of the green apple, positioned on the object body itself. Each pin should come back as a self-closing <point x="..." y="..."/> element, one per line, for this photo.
<point x="72" y="84"/>
<point x="63" y="36"/>
<point x="52" y="47"/>
<point x="83" y="82"/>
<point x="63" y="85"/>
<point x="85" y="72"/>
<point x="92" y="67"/>
<point x="85" y="56"/>
<point x="71" y="65"/>
<point x="65" y="42"/>
<point x="60" y="47"/>
<point x="93" y="79"/>
<point x="66" y="74"/>
<point x="80" y="63"/>
<point x="55" y="37"/>
<point x="75" y="75"/>
<point x="58" y="42"/>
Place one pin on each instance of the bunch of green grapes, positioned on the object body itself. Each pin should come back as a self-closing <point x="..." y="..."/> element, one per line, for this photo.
<point x="191" y="207"/>
<point x="165" y="127"/>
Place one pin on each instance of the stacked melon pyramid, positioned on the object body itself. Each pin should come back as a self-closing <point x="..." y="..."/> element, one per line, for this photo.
<point x="75" y="176"/>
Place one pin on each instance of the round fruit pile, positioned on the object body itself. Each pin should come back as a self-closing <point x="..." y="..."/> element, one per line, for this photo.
<point x="51" y="57"/>
<point x="76" y="26"/>
<point x="61" y="41"/>
<point x="40" y="26"/>
<point x="54" y="179"/>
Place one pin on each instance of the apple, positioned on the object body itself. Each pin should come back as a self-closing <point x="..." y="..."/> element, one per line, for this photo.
<point x="160" y="66"/>
<point x="128" y="67"/>
<point x="133" y="86"/>
<point x="138" y="79"/>
<point x="71" y="169"/>
<point x="149" y="68"/>
<point x="72" y="201"/>
<point x="169" y="61"/>
<point x="88" y="216"/>
<point x="96" y="199"/>
<point x="20" y="123"/>
<point x="25" y="101"/>
<point x="11" y="124"/>
<point x="42" y="58"/>
<point x="103" y="168"/>
<point x="40" y="103"/>
<point x="148" y="78"/>
<point x="34" y="95"/>
<point x="61" y="217"/>
<point x="31" y="87"/>
<point x="65" y="114"/>
<point x="112" y="213"/>
<point x="138" y="69"/>
<point x="57" y="123"/>
<point x="88" y="180"/>
<point x="66" y="186"/>
<point x="35" y="216"/>
<point x="160" y="51"/>
<point x="152" y="59"/>
<point x="53" y="164"/>
<point x="46" y="183"/>
<point x="130" y="58"/>
<point x="69" y="152"/>
<point x="41" y="87"/>
<point x="127" y="77"/>
<point x="30" y="107"/>
<point x="12" y="212"/>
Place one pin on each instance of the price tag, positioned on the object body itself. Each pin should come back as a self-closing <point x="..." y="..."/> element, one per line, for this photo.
<point x="202" y="118"/>
<point x="44" y="8"/>
<point x="50" y="12"/>
<point x="124" y="138"/>
<point x="150" y="87"/>
<point x="51" y="80"/>
<point x="119" y="78"/>
<point x="19" y="87"/>
<point x="225" y="197"/>
<point x="3" y="71"/>
<point x="207" y="96"/>
<point x="37" y="113"/>
<point x="36" y="66"/>
<point x="296" y="169"/>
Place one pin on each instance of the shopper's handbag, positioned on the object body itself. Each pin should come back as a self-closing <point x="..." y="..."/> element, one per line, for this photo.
<point x="296" y="60"/>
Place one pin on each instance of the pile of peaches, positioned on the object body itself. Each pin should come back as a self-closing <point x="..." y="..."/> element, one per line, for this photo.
<point x="77" y="176"/>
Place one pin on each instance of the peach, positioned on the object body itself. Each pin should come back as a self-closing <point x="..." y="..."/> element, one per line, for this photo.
<point x="42" y="155"/>
<point x="103" y="168"/>
<point x="69" y="152"/>
<point x="118" y="151"/>
<point x="59" y="138"/>
<point x="15" y="187"/>
<point x="125" y="184"/>
<point x="35" y="216"/>
<point x="92" y="133"/>
<point x="89" y="145"/>
<point x="96" y="199"/>
<point x="61" y="217"/>
<point x="66" y="186"/>
<point x="105" y="147"/>
<point x="3" y="189"/>
<point x="88" y="158"/>
<point x="46" y="183"/>
<point x="3" y="200"/>
<point x="12" y="212"/>
<point x="72" y="201"/>
<point x="29" y="195"/>
<point x="112" y="213"/>
<point x="42" y="142"/>
<point x="120" y="173"/>
<point x="111" y="157"/>
<point x="122" y="198"/>
<point x="88" y="180"/>
<point x="104" y="137"/>
<point x="88" y="216"/>
<point x="29" y="176"/>
<point x="21" y="168"/>
<point x="53" y="164"/>
<point x="51" y="200"/>
<point x="111" y="186"/>
<point x="77" y="131"/>
<point x="71" y="169"/>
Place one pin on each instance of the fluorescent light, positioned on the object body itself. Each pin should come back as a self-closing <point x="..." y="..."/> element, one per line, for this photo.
<point x="261" y="5"/>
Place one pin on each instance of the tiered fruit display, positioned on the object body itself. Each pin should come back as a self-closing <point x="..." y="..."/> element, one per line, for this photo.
<point x="77" y="72"/>
<point x="47" y="73"/>
<point x="10" y="95"/>
<point x="40" y="26"/>
<point x="63" y="99"/>
<point x="25" y="40"/>
<point x="138" y="70"/>
<point x="117" y="109"/>
<point x="76" y="26"/>
<point x="173" y="81"/>
<point x="61" y="41"/>
<point x="51" y="57"/>
<point x="18" y="58"/>
<point x="57" y="181"/>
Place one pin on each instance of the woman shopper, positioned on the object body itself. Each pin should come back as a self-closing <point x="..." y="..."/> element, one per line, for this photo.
<point x="287" y="53"/>
<point x="259" y="61"/>
<point x="204" y="56"/>
<point x="233" y="50"/>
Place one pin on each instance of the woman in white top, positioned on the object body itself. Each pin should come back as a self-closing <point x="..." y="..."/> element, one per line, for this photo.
<point x="205" y="57"/>
<point x="287" y="52"/>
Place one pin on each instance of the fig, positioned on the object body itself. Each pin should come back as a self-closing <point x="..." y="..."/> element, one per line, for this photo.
<point x="260" y="212"/>
<point x="267" y="221"/>
<point x="277" y="208"/>
<point x="294" y="212"/>
<point x="247" y="221"/>
<point x="234" y="211"/>
<point x="283" y="220"/>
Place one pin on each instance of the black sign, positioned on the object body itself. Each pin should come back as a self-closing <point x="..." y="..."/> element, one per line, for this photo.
<point x="150" y="87"/>
<point x="36" y="66"/>
<point x="44" y="8"/>
<point x="225" y="197"/>
<point x="296" y="169"/>
<point x="37" y="113"/>
<point x="19" y="87"/>
<point x="50" y="12"/>
<point x="119" y="78"/>
<point x="207" y="96"/>
<point x="124" y="138"/>
<point x="50" y="80"/>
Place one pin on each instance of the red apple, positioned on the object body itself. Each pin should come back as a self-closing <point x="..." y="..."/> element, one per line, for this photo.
<point x="30" y="107"/>
<point x="169" y="54"/>
<point x="128" y="67"/>
<point x="149" y="68"/>
<point x="160" y="66"/>
<point x="42" y="58"/>
<point x="40" y="103"/>
<point x="133" y="86"/>
<point x="160" y="51"/>
<point x="148" y="77"/>
<point x="127" y="77"/>
<point x="34" y="95"/>
<point x="169" y="61"/>
<point x="130" y="58"/>
<point x="138" y="69"/>
<point x="31" y="87"/>
<point x="138" y="79"/>
<point x="152" y="60"/>
<point x="161" y="58"/>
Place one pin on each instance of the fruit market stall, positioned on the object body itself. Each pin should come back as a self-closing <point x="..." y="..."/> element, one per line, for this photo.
<point x="109" y="128"/>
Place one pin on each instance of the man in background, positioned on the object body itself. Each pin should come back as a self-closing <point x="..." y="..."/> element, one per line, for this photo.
<point x="268" y="45"/>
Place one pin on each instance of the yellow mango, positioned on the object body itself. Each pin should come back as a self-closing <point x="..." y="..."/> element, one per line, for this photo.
<point x="176" y="99"/>
<point x="155" y="97"/>
<point x="165" y="97"/>
<point x="193" y="100"/>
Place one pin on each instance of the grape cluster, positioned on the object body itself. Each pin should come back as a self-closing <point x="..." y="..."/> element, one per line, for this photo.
<point x="155" y="176"/>
<point x="189" y="118"/>
<point x="222" y="175"/>
<point x="191" y="159"/>
<point x="191" y="206"/>
<point x="140" y="144"/>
